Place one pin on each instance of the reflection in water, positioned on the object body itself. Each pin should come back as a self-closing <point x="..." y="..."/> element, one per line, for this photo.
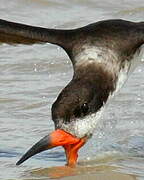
<point x="55" y="172"/>
<point x="107" y="167"/>
<point x="102" y="172"/>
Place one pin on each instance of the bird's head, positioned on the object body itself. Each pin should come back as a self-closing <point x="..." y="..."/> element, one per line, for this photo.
<point x="75" y="114"/>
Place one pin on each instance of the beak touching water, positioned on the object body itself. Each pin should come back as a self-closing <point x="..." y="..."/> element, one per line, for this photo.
<point x="58" y="137"/>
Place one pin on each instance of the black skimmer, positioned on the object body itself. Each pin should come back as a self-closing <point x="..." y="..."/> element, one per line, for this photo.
<point x="103" y="54"/>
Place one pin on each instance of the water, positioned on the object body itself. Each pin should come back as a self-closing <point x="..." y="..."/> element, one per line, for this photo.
<point x="31" y="78"/>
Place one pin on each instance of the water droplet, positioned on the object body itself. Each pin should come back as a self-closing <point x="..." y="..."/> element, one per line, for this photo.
<point x="88" y="158"/>
<point x="35" y="69"/>
<point x="139" y="70"/>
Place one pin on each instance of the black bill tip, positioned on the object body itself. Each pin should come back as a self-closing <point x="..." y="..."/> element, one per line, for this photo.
<point x="40" y="146"/>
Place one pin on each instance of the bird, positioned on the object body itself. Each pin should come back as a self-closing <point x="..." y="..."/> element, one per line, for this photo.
<point x="103" y="55"/>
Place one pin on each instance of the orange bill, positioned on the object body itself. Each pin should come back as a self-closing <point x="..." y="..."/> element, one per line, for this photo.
<point x="58" y="137"/>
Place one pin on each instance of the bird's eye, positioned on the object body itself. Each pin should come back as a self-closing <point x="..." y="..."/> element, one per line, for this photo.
<point x="81" y="111"/>
<point x="85" y="108"/>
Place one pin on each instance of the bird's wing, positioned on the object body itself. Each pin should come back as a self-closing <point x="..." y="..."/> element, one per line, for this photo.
<point x="17" y="33"/>
<point x="120" y="36"/>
